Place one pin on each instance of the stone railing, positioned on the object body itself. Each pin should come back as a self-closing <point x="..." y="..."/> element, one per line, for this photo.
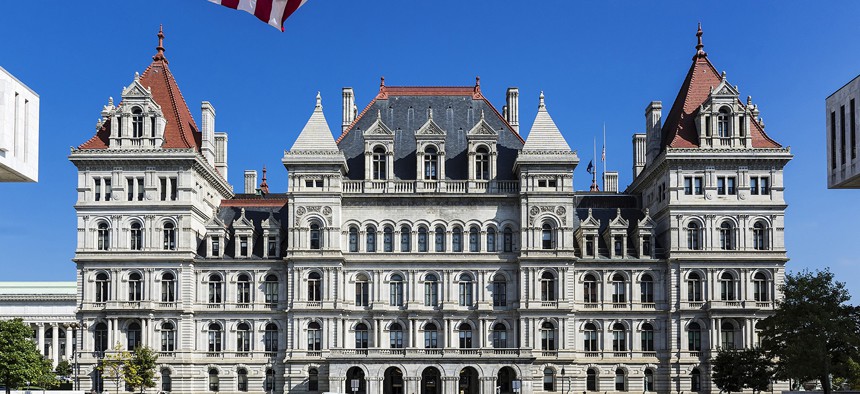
<point x="430" y="186"/>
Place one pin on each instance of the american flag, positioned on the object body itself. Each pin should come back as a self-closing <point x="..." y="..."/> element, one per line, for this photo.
<point x="273" y="12"/>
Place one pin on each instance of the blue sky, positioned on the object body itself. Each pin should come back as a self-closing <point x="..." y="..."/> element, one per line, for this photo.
<point x="597" y="62"/>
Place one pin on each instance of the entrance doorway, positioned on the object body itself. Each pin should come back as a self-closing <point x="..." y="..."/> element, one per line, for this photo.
<point x="469" y="383"/>
<point x="392" y="382"/>
<point x="355" y="383"/>
<point x="505" y="380"/>
<point x="430" y="381"/>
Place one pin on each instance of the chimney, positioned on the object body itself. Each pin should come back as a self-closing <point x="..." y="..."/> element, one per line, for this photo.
<point x="610" y="181"/>
<point x="221" y="153"/>
<point x="348" y="108"/>
<point x="639" y="153"/>
<point x="654" y="129"/>
<point x="250" y="181"/>
<point x="207" y="125"/>
<point x="513" y="104"/>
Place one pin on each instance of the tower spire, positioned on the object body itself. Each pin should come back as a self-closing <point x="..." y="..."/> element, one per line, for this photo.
<point x="160" y="48"/>
<point x="264" y="187"/>
<point x="700" y="48"/>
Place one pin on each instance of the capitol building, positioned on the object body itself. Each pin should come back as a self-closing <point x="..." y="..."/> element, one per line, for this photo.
<point x="428" y="246"/>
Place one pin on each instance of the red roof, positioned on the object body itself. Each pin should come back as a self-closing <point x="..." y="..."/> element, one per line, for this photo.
<point x="679" y="129"/>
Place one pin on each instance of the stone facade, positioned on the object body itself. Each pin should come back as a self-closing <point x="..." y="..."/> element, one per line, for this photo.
<point x="841" y="118"/>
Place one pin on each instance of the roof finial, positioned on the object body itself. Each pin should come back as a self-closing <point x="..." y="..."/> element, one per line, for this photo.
<point x="430" y="112"/>
<point x="382" y="82"/>
<point x="700" y="52"/>
<point x="378" y="114"/>
<point x="160" y="48"/>
<point x="541" y="104"/>
<point x="477" y="81"/>
<point x="482" y="114"/>
<point x="319" y="100"/>
<point x="264" y="187"/>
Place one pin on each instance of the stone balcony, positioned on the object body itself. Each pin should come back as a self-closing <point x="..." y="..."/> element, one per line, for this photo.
<point x="446" y="186"/>
<point x="421" y="353"/>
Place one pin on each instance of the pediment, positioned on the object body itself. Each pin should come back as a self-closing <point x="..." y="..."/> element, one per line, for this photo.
<point x="724" y="89"/>
<point x="430" y="129"/>
<point x="378" y="129"/>
<point x="482" y="130"/>
<point x="242" y="222"/>
<point x="618" y="221"/>
<point x="136" y="90"/>
<point x="271" y="223"/>
<point x="590" y="221"/>
<point x="647" y="222"/>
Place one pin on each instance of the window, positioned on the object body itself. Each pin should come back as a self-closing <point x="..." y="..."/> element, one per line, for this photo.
<point x="133" y="335"/>
<point x="136" y="122"/>
<point x="548" y="379"/>
<point x="431" y="163"/>
<point x="353" y="239"/>
<point x="723" y="123"/>
<point x="546" y="236"/>
<point x="590" y="338"/>
<point x="166" y="381"/>
<point x="102" y="287"/>
<point x="547" y="286"/>
<point x="726" y="185"/>
<point x="422" y="239"/>
<point x="618" y="245"/>
<point x="431" y="290"/>
<point x="727" y="287"/>
<point x="272" y="246"/>
<point x="97" y="189"/>
<point x="474" y="239"/>
<point x="591" y="380"/>
<point x="216" y="335"/>
<point x="100" y="332"/>
<point x="370" y="238"/>
<point x="832" y="141"/>
<point x="853" y="131"/>
<point x="500" y="336"/>
<point x="270" y="338"/>
<point x="314" y="287"/>
<point x="169" y="236"/>
<point x="362" y="290"/>
<point x="243" y="289"/>
<point x="619" y="338"/>
<point x="457" y="239"/>
<point x="646" y="246"/>
<point x="547" y="336"/>
<point x="103" y="236"/>
<point x="395" y="334"/>
<point x="694" y="287"/>
<point x="315" y="336"/>
<point x="269" y="383"/>
<point x="500" y="290"/>
<point x="215" y="289"/>
<point x="361" y="337"/>
<point x="842" y="143"/>
<point x="589" y="289"/>
<point x="727" y="236"/>
<point x="727" y="335"/>
<point x="270" y="289"/>
<point x="688" y="186"/>
<point x="216" y="246"/>
<point x="465" y="333"/>
<point x="405" y="239"/>
<point x="694" y="236"/>
<point x="388" y="239"/>
<point x="313" y="379"/>
<point x="243" y="337"/>
<point x="508" y="240"/>
<point x="482" y="164"/>
<point x="765" y="185"/>
<point x="694" y="337"/>
<point x="136" y="237"/>
<point x="431" y="336"/>
<point x="695" y="381"/>
<point x="213" y="380"/>
<point x="646" y="289"/>
<point x="108" y="189"/>
<point x="466" y="290"/>
<point x="135" y="287"/>
<point x="168" y="287"/>
<point x="316" y="240"/>
<point x="168" y="189"/>
<point x="440" y="239"/>
<point x="697" y="185"/>
<point x="396" y="287"/>
<point x="759" y="232"/>
<point x="242" y="379"/>
<point x="589" y="246"/>
<point x="647" y="337"/>
<point x="491" y="239"/>
<point x="619" y="289"/>
<point x="243" y="246"/>
<point x="379" y="163"/>
<point x="761" y="289"/>
<point x="649" y="380"/>
<point x="620" y="380"/>
<point x="693" y="185"/>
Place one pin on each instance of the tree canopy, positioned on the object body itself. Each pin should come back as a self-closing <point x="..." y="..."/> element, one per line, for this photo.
<point x="734" y="370"/>
<point x="140" y="370"/>
<point x="20" y="360"/>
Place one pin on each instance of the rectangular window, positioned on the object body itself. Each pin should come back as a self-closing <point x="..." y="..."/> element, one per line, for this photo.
<point x="721" y="186"/>
<point x="753" y="185"/>
<point x="97" y="186"/>
<point x="833" y="139"/>
<point x="139" y="189"/>
<point x="318" y="183"/>
<point x="688" y="186"/>
<point x="697" y="185"/>
<point x="853" y="131"/>
<point x="273" y="247"/>
<point x="542" y="183"/>
<point x="107" y="189"/>
<point x="309" y="183"/>
<point x="842" y="133"/>
<point x="216" y="246"/>
<point x="163" y="189"/>
<point x="173" y="189"/>
<point x="730" y="186"/>
<point x="551" y="183"/>
<point x="765" y="185"/>
<point x="243" y="246"/>
<point x="129" y="183"/>
<point x="743" y="123"/>
<point x="707" y="126"/>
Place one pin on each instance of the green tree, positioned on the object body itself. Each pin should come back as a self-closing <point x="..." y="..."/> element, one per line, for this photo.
<point x="114" y="365"/>
<point x="63" y="368"/>
<point x="814" y="332"/>
<point x="734" y="370"/>
<point x="140" y="371"/>
<point x="20" y="361"/>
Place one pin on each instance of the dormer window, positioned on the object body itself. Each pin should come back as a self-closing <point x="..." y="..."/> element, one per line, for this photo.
<point x="431" y="163"/>
<point x="216" y="246"/>
<point x="723" y="119"/>
<point x="482" y="164"/>
<point x="380" y="163"/>
<point x="136" y="122"/>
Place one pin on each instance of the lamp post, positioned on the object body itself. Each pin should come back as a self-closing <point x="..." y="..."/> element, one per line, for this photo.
<point x="567" y="379"/>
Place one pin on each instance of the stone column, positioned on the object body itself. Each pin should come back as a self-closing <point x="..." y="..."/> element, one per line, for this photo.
<point x="40" y="337"/>
<point x="55" y="343"/>
<point x="69" y="340"/>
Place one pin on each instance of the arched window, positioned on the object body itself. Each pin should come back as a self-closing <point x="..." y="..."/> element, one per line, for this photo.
<point x="619" y="289"/>
<point x="647" y="337"/>
<point x="396" y="290"/>
<point x="168" y="337"/>
<point x="759" y="236"/>
<point x="313" y="379"/>
<point x="422" y="239"/>
<point x="508" y="240"/>
<point x="727" y="287"/>
<point x="500" y="290"/>
<point x="727" y="335"/>
<point x="353" y="239"/>
<point x="694" y="337"/>
<point x="723" y="123"/>
<point x="474" y="239"/>
<point x="491" y="239"/>
<point x="591" y="380"/>
<point x="135" y="287"/>
<point x="315" y="336"/>
<point x="103" y="236"/>
<point x="168" y="287"/>
<point x="362" y="290"/>
<point x="546" y="237"/>
<point x="590" y="337"/>
<point x="133" y="334"/>
<point x="395" y="335"/>
<point x="619" y="338"/>
<point x="270" y="289"/>
<point x="269" y="383"/>
<point x="270" y="338"/>
<point x="242" y="379"/>
<point x="547" y="286"/>
<point x="694" y="287"/>
<point x="387" y="239"/>
<point x="646" y="289"/>
<point x="727" y="241"/>
<point x="465" y="333"/>
<point x="548" y="379"/>
<point x="649" y="380"/>
<point x="589" y="289"/>
<point x="620" y="380"/>
<point x="100" y="336"/>
<point x="405" y="239"/>
<point x="695" y="381"/>
<point x="314" y="287"/>
<point x="216" y="337"/>
<point x="431" y="163"/>
<point x="457" y="239"/>
<point x="370" y="238"/>
<point x="169" y="236"/>
<point x="482" y="164"/>
<point x="214" y="384"/>
<point x="380" y="163"/>
<point x="215" y="289"/>
<point x="136" y="122"/>
<point x="243" y="289"/>
<point x="136" y="236"/>
<point x="431" y="290"/>
<point x="243" y="337"/>
<point x="431" y="336"/>
<point x="361" y="336"/>
<point x="316" y="239"/>
<point x="440" y="239"/>
<point x="166" y="381"/>
<point x="694" y="236"/>
<point x="761" y="287"/>
<point x="547" y="336"/>
<point x="466" y="289"/>
<point x="500" y="336"/>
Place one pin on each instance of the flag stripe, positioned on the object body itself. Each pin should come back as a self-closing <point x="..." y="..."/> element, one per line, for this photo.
<point x="273" y="12"/>
<point x="234" y="4"/>
<point x="292" y="6"/>
<point x="263" y="10"/>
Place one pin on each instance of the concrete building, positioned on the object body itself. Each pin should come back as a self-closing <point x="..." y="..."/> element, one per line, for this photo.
<point x="19" y="130"/>
<point x="841" y="118"/>
<point x="49" y="307"/>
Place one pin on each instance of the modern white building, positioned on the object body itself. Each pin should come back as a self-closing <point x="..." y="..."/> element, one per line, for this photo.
<point x="430" y="247"/>
<point x="842" y="163"/>
<point x="19" y="130"/>
<point x="50" y="308"/>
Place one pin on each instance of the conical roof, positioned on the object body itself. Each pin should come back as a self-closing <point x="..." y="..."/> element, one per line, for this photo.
<point x="315" y="136"/>
<point x="544" y="134"/>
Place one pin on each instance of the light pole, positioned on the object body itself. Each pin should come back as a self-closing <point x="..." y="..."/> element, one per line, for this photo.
<point x="567" y="379"/>
<point x="74" y="326"/>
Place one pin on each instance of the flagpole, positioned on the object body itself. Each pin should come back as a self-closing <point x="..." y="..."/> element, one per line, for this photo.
<point x="603" y="156"/>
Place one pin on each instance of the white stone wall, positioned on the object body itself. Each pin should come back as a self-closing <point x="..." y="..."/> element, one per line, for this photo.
<point x="19" y="130"/>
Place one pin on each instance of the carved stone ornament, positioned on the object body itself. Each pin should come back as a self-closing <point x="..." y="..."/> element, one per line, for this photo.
<point x="534" y="211"/>
<point x="300" y="211"/>
<point x="560" y="211"/>
<point x="326" y="211"/>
